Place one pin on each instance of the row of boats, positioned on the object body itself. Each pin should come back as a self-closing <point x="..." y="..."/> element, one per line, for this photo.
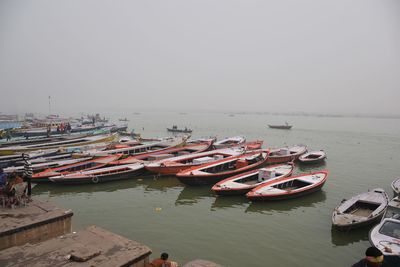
<point x="368" y="208"/>
<point x="232" y="165"/>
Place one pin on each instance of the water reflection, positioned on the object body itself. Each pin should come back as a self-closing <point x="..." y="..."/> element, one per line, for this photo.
<point x="268" y="207"/>
<point x="223" y="202"/>
<point x="348" y="237"/>
<point x="192" y="194"/>
<point x="301" y="168"/>
<point x="161" y="183"/>
<point x="58" y="190"/>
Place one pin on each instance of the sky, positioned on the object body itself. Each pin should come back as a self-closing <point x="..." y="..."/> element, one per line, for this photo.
<point x="322" y="56"/>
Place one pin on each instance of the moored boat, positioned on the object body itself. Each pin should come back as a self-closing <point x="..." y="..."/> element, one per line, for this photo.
<point x="386" y="235"/>
<point x="286" y="154"/>
<point x="167" y="153"/>
<point x="242" y="183"/>
<point x="396" y="186"/>
<point x="213" y="172"/>
<point x="73" y="142"/>
<point x="230" y="141"/>
<point x="175" y="129"/>
<point x="102" y="175"/>
<point x="360" y="210"/>
<point x="86" y="165"/>
<point x="313" y="157"/>
<point x="289" y="187"/>
<point x="171" y="166"/>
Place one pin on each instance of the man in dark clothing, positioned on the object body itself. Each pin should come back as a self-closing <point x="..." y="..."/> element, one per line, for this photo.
<point x="373" y="258"/>
<point x="27" y="173"/>
<point x="3" y="179"/>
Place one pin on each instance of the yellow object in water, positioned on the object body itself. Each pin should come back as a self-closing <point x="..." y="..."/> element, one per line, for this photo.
<point x="158" y="209"/>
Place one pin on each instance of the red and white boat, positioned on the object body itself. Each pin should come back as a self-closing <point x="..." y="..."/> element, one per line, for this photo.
<point x="213" y="172"/>
<point x="286" y="154"/>
<point x="166" y="153"/>
<point x="230" y="141"/>
<point x="172" y="166"/>
<point x="289" y="187"/>
<point x="102" y="175"/>
<point x="242" y="183"/>
<point x="86" y="165"/>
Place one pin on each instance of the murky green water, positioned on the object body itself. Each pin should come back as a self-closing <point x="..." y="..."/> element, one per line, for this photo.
<point x="193" y="223"/>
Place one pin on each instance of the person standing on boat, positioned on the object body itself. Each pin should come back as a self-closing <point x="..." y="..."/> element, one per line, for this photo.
<point x="3" y="179"/>
<point x="27" y="173"/>
<point x="373" y="258"/>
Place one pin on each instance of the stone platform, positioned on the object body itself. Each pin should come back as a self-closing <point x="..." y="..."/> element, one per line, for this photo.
<point x="36" y="222"/>
<point x="93" y="246"/>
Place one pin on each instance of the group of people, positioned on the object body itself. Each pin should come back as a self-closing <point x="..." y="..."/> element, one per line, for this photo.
<point x="64" y="128"/>
<point x="9" y="181"/>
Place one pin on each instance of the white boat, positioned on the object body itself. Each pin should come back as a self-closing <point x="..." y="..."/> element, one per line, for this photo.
<point x="386" y="235"/>
<point x="231" y="141"/>
<point x="360" y="210"/>
<point x="243" y="183"/>
<point x="396" y="187"/>
<point x="312" y="157"/>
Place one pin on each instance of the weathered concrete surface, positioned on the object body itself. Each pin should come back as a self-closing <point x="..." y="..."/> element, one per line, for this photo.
<point x="94" y="246"/>
<point x="201" y="263"/>
<point x="36" y="222"/>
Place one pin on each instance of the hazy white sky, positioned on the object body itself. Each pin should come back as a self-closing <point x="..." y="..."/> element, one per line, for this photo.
<point x="248" y="55"/>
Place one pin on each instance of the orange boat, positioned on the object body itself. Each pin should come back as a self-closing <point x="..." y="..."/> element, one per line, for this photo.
<point x="43" y="177"/>
<point x="172" y="166"/>
<point x="213" y="172"/>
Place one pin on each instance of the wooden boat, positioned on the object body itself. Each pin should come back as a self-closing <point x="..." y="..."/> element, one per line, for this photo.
<point x="228" y="142"/>
<point x="139" y="149"/>
<point x="213" y="172"/>
<point x="396" y="187"/>
<point x="123" y="119"/>
<point x="34" y="132"/>
<point x="360" y="210"/>
<point x="58" y="144"/>
<point x="285" y="126"/>
<point x="312" y="157"/>
<point x="289" y="187"/>
<point x="242" y="183"/>
<point x="285" y="154"/>
<point x="102" y="175"/>
<point x="172" y="166"/>
<point x="45" y="165"/>
<point x="386" y="235"/>
<point x="42" y="177"/>
<point x="175" y="129"/>
<point x="167" y="153"/>
<point x="16" y="159"/>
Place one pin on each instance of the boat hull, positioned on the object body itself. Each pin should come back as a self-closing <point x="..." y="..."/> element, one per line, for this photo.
<point x="347" y="227"/>
<point x="287" y="196"/>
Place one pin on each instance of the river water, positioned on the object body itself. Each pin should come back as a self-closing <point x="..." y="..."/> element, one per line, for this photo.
<point x="191" y="222"/>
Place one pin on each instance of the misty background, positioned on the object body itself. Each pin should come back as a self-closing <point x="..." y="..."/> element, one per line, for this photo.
<point x="323" y="56"/>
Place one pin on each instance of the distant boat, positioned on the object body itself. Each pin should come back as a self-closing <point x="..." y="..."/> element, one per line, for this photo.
<point x="124" y="119"/>
<point x="175" y="129"/>
<point x="285" y="126"/>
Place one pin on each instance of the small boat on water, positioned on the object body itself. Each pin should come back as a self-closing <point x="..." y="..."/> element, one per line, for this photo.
<point x="175" y="129"/>
<point x="135" y="148"/>
<point x="171" y="166"/>
<point x="312" y="157"/>
<point x="285" y="126"/>
<point x="74" y="142"/>
<point x="43" y="177"/>
<point x="102" y="175"/>
<point x="230" y="141"/>
<point x="38" y="167"/>
<point x="386" y="235"/>
<point x="396" y="187"/>
<point x="286" y="154"/>
<point x="168" y="153"/>
<point x="124" y="119"/>
<point x="210" y="173"/>
<point x="360" y="210"/>
<point x="243" y="183"/>
<point x="289" y="187"/>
